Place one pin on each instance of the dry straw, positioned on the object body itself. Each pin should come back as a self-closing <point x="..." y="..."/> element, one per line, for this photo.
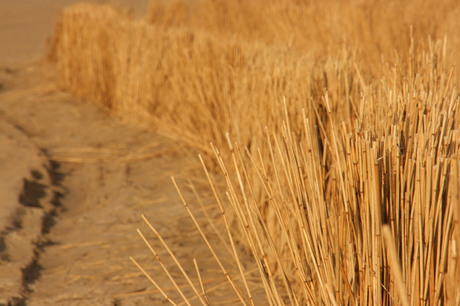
<point x="335" y="129"/>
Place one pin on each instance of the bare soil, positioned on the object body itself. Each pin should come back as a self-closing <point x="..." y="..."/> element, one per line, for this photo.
<point x="74" y="183"/>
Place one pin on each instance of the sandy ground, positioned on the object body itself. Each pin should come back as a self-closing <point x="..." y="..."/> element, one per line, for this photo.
<point x="74" y="183"/>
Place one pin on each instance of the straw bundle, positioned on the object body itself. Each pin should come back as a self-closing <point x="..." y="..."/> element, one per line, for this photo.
<point x="361" y="140"/>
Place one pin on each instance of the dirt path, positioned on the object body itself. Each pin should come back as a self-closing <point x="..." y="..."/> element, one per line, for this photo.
<point x="104" y="174"/>
<point x="111" y="173"/>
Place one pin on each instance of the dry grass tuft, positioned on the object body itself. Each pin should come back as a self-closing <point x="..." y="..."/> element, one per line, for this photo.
<point x="82" y="49"/>
<point x="335" y="127"/>
<point x="371" y="28"/>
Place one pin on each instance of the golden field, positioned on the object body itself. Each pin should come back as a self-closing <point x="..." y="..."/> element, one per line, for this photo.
<point x="334" y="128"/>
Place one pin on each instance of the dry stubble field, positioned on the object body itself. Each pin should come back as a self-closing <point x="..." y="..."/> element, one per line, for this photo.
<point x="328" y="132"/>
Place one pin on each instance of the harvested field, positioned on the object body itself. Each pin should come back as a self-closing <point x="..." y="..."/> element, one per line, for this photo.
<point x="328" y="132"/>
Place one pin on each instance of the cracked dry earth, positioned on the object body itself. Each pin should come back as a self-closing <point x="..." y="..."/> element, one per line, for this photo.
<point x="81" y="180"/>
